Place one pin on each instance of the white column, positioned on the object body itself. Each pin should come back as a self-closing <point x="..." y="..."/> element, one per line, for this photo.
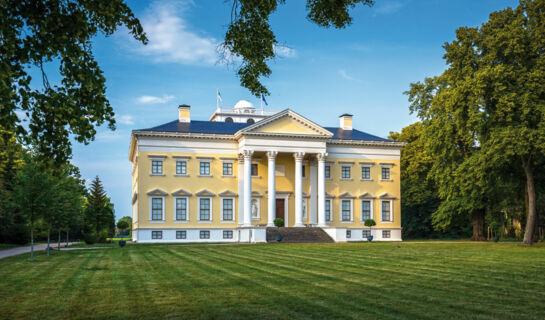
<point x="298" y="189"/>
<point x="321" y="189"/>
<point x="313" y="191"/>
<point x="271" y="209"/>
<point x="241" y="189"/>
<point x="248" y="188"/>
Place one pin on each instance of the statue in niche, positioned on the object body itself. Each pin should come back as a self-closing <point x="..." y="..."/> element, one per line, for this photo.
<point x="255" y="208"/>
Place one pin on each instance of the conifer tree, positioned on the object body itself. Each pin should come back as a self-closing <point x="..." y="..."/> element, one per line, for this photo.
<point x="99" y="220"/>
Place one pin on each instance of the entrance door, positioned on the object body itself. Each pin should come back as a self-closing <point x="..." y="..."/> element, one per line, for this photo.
<point x="280" y="210"/>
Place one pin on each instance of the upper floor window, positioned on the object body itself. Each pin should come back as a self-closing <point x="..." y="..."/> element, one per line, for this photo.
<point x="328" y="216"/>
<point x="204" y="209"/>
<point x="227" y="168"/>
<point x="386" y="210"/>
<point x="156" y="209"/>
<point x="327" y="170"/>
<point x="346" y="210"/>
<point x="385" y="173"/>
<point x="157" y="166"/>
<point x="345" y="172"/>
<point x="303" y="169"/>
<point x="181" y="167"/>
<point x="254" y="170"/>
<point x="204" y="168"/>
<point x="181" y="209"/>
<point x="365" y="173"/>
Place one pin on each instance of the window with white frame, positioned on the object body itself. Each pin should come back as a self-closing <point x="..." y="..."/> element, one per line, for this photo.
<point x="327" y="171"/>
<point x="328" y="215"/>
<point x="386" y="234"/>
<point x="345" y="172"/>
<point x="204" y="168"/>
<point x="181" y="234"/>
<point x="156" y="209"/>
<point x="256" y="209"/>
<point x="386" y="210"/>
<point x="227" y="234"/>
<point x="204" y="234"/>
<point x="385" y="173"/>
<point x="227" y="168"/>
<point x="157" y="166"/>
<point x="365" y="173"/>
<point x="181" y="167"/>
<point x="157" y="235"/>
<point x="346" y="210"/>
<point x="181" y="209"/>
<point x="365" y="233"/>
<point x="227" y="209"/>
<point x="205" y="205"/>
<point x="366" y="209"/>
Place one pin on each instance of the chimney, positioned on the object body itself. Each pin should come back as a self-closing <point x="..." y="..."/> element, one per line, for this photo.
<point x="346" y="121"/>
<point x="183" y="113"/>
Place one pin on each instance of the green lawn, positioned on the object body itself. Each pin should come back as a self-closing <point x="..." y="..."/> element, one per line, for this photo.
<point x="359" y="280"/>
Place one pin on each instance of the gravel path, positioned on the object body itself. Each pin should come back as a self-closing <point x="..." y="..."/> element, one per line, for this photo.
<point x="26" y="249"/>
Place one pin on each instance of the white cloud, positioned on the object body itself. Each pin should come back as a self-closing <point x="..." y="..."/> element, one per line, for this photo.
<point x="389" y="7"/>
<point x="284" y="52"/>
<point x="346" y="76"/>
<point x="125" y="119"/>
<point x="154" y="100"/>
<point x="170" y="38"/>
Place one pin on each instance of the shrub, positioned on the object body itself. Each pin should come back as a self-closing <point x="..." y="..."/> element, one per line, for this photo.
<point x="89" y="238"/>
<point x="279" y="222"/>
<point x="370" y="223"/>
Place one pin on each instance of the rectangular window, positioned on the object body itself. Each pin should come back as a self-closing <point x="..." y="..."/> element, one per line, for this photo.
<point x="365" y="173"/>
<point x="204" y="168"/>
<point x="365" y="233"/>
<point x="327" y="172"/>
<point x="227" y="209"/>
<point x="204" y="209"/>
<point x="157" y="234"/>
<point x="345" y="210"/>
<point x="254" y="170"/>
<point x="303" y="170"/>
<point x="156" y="208"/>
<point x="385" y="173"/>
<point x="365" y="210"/>
<point x="227" y="234"/>
<point x="328" y="210"/>
<point x="181" y="235"/>
<point x="181" y="167"/>
<point x="386" y="211"/>
<point x="386" y="234"/>
<point x="227" y="169"/>
<point x="181" y="209"/>
<point x="348" y="234"/>
<point x="156" y="166"/>
<point x="345" y="172"/>
<point x="204" y="234"/>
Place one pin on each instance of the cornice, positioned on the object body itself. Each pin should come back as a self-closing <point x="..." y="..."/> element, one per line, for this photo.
<point x="391" y="144"/>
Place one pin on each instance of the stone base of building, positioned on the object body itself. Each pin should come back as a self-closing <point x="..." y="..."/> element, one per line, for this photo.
<point x="255" y="235"/>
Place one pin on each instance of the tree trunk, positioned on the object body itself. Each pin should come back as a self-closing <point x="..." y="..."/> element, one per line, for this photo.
<point x="59" y="241"/>
<point x="32" y="243"/>
<point x="478" y="225"/>
<point x="48" y="232"/>
<point x="531" y="192"/>
<point x="67" y="233"/>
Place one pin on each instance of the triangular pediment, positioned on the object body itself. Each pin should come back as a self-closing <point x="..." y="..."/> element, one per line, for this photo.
<point x="387" y="195"/>
<point x="227" y="193"/>
<point x="367" y="195"/>
<point x="286" y="122"/>
<point x="181" y="192"/>
<point x="157" y="192"/>
<point x="205" y="193"/>
<point x="347" y="195"/>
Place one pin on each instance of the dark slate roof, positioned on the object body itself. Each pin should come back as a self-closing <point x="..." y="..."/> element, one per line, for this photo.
<point x="216" y="127"/>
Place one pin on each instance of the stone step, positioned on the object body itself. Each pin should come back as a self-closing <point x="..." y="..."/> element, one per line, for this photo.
<point x="298" y="235"/>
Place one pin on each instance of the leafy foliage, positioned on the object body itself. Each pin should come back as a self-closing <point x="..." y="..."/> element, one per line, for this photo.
<point x="34" y="34"/>
<point x="99" y="214"/>
<point x="369" y="223"/>
<point x="250" y="37"/>
<point x="279" y="222"/>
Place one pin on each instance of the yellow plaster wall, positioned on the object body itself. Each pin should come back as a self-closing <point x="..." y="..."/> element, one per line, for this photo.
<point x="287" y="126"/>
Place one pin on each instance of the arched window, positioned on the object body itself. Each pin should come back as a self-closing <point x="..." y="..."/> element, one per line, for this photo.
<point x="250" y="120"/>
<point x="228" y="119"/>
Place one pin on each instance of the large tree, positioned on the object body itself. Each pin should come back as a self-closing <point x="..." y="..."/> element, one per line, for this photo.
<point x="36" y="36"/>
<point x="99" y="220"/>
<point x="250" y="36"/>
<point x="486" y="112"/>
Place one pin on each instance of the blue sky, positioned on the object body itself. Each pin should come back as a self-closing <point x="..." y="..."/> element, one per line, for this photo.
<point x="322" y="73"/>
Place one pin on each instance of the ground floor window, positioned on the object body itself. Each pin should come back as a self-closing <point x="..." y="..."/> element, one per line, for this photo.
<point x="227" y="207"/>
<point x="365" y="233"/>
<point x="365" y="210"/>
<point x="204" y="234"/>
<point x="348" y="234"/>
<point x="181" y="235"/>
<point x="227" y="234"/>
<point x="181" y="209"/>
<point x="204" y="209"/>
<point x="386" y="210"/>
<point x="346" y="210"/>
<point x="328" y="210"/>
<point x="157" y="234"/>
<point x="386" y="233"/>
<point x="157" y="209"/>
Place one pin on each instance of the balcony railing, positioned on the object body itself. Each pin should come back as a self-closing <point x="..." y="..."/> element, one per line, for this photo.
<point x="256" y="111"/>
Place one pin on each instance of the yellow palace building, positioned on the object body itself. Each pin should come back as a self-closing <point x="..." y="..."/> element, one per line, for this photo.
<point x="229" y="178"/>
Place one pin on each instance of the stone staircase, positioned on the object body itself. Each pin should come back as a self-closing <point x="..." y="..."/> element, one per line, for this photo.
<point x="298" y="235"/>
